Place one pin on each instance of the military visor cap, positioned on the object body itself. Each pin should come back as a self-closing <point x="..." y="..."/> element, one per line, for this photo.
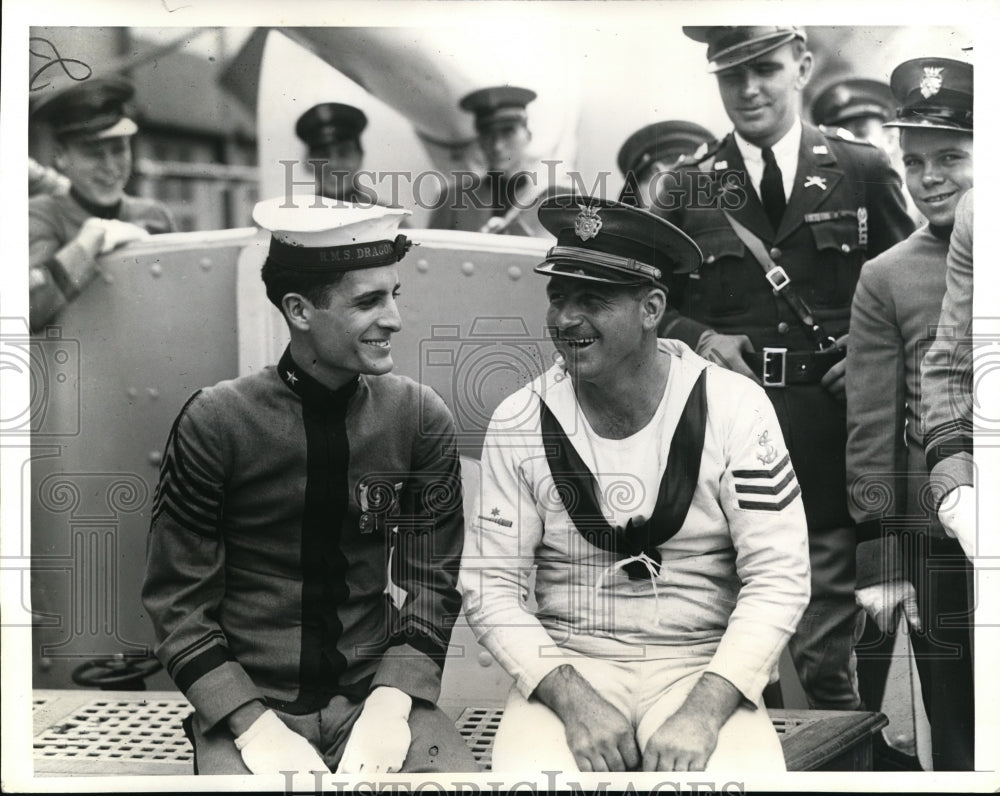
<point x="599" y="240"/>
<point x="733" y="46"/>
<point x="330" y="123"/>
<point x="498" y="105"/>
<point x="91" y="109"/>
<point x="933" y="93"/>
<point x="661" y="141"/>
<point x="854" y="98"/>
<point x="313" y="234"/>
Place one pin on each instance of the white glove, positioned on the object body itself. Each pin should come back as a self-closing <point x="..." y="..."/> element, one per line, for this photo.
<point x="884" y="601"/>
<point x="380" y="737"/>
<point x="957" y="514"/>
<point x="270" y="747"/>
<point x="118" y="233"/>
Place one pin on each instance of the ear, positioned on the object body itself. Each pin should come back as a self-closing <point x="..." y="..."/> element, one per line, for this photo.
<point x="805" y="70"/>
<point x="654" y="305"/>
<point x="298" y="311"/>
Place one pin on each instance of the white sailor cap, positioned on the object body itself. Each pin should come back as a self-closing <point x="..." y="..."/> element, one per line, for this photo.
<point x="313" y="233"/>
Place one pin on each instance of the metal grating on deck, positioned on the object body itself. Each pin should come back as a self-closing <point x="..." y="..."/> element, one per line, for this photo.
<point x="121" y="731"/>
<point x="478" y="727"/>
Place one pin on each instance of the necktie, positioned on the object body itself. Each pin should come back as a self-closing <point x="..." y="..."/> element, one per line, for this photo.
<point x="772" y="191"/>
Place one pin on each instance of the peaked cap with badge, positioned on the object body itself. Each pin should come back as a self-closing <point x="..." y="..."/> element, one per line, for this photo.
<point x="498" y="105"/>
<point x="933" y="93"/>
<point x="90" y="109"/>
<point x="667" y="141"/>
<point x="330" y="123"/>
<point x="314" y="235"/>
<point x="854" y="98"/>
<point x="599" y="240"/>
<point x="733" y="46"/>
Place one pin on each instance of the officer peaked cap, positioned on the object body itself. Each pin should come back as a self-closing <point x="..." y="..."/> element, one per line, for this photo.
<point x="934" y="93"/>
<point x="498" y="104"/>
<point x="93" y="109"/>
<point x="599" y="240"/>
<point x="329" y="123"/>
<point x="733" y="46"/>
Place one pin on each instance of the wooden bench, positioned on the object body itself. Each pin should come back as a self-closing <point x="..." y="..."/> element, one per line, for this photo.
<point x="139" y="732"/>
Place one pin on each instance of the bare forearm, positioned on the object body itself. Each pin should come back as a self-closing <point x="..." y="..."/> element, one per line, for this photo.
<point x="714" y="699"/>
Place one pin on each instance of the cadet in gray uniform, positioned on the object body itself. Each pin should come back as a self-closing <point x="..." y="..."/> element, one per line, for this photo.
<point x="287" y="499"/>
<point x="67" y="230"/>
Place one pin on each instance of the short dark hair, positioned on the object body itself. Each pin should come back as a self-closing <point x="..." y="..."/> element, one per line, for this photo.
<point x="279" y="281"/>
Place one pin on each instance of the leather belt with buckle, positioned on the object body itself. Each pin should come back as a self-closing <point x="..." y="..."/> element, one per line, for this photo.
<point x="779" y="367"/>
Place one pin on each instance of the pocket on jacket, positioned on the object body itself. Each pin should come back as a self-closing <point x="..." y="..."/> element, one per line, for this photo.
<point x="841" y="253"/>
<point x="720" y="286"/>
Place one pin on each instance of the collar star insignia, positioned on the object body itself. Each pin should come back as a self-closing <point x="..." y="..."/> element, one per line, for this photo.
<point x="290" y="377"/>
<point x="495" y="512"/>
<point x="819" y="182"/>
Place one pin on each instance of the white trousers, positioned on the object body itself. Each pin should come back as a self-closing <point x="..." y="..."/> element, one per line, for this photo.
<point x="532" y="738"/>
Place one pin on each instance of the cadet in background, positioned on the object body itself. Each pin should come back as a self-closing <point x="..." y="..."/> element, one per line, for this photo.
<point x="332" y="133"/>
<point x="656" y="149"/>
<point x="68" y="230"/>
<point x="505" y="198"/>
<point x="907" y="564"/>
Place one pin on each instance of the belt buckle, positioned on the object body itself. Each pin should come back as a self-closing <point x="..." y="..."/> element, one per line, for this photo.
<point x="778" y="278"/>
<point x="772" y="355"/>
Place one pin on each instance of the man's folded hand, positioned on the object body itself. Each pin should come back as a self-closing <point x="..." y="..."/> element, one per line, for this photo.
<point x="270" y="747"/>
<point x="380" y="737"/>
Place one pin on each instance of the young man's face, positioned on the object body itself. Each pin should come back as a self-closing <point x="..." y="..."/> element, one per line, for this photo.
<point x="504" y="146"/>
<point x="351" y="334"/>
<point x="761" y="97"/>
<point x="938" y="166"/>
<point x="97" y="168"/>
<point x="597" y="328"/>
<point x="341" y="162"/>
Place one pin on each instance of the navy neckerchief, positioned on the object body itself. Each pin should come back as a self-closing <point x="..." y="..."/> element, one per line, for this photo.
<point x="578" y="490"/>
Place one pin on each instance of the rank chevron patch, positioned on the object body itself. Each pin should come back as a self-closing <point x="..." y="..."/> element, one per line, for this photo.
<point x="767" y="490"/>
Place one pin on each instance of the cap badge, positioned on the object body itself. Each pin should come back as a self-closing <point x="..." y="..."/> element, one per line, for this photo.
<point x="587" y="223"/>
<point x="931" y="82"/>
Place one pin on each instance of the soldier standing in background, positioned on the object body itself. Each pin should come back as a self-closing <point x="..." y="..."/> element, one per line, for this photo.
<point x="332" y="132"/>
<point x="785" y="217"/>
<point x="68" y="230"/>
<point x="502" y="200"/>
<point x="655" y="149"/>
<point x="858" y="108"/>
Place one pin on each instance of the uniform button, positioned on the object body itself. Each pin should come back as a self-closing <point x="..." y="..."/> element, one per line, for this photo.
<point x="775" y="253"/>
<point x="710" y="258"/>
<point x="782" y="328"/>
<point x="845" y="248"/>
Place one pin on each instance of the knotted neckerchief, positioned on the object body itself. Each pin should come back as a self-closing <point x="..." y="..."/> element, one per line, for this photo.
<point x="578" y="489"/>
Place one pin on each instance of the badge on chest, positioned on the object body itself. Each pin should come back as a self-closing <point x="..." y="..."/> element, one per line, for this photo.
<point x="379" y="501"/>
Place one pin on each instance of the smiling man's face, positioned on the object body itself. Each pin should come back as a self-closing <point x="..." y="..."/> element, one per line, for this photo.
<point x="761" y="97"/>
<point x="97" y="168"/>
<point x="938" y="166"/>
